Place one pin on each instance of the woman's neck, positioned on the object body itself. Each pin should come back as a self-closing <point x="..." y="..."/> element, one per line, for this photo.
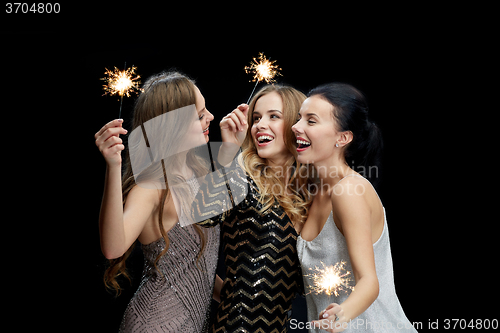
<point x="185" y="171"/>
<point x="278" y="162"/>
<point x="332" y="170"/>
<point x="280" y="168"/>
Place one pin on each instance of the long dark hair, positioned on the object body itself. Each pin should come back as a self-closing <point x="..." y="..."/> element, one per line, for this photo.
<point x="350" y="110"/>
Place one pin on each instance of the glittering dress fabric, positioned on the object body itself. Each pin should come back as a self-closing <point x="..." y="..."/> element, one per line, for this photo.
<point x="180" y="300"/>
<point x="262" y="267"/>
<point x="385" y="314"/>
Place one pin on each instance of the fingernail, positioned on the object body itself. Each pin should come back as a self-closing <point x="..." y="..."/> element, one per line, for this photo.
<point x="120" y="120"/>
<point x="325" y="315"/>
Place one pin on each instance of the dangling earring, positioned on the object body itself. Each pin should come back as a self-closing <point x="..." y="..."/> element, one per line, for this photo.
<point x="337" y="145"/>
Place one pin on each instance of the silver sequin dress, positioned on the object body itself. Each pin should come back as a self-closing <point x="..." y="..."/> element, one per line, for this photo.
<point x="180" y="300"/>
<point x="329" y="248"/>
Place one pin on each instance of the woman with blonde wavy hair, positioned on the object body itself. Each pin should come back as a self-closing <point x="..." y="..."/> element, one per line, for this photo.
<point x="180" y="261"/>
<point x="260" y="229"/>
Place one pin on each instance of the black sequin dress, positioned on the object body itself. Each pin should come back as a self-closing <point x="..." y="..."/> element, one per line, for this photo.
<point x="262" y="266"/>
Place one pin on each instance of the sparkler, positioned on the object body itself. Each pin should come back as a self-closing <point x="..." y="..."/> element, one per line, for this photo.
<point x="263" y="70"/>
<point x="330" y="279"/>
<point x="121" y="83"/>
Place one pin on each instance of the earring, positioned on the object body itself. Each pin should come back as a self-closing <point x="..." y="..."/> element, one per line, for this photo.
<point x="337" y="145"/>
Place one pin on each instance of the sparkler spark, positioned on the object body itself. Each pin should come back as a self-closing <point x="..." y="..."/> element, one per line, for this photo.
<point x="330" y="279"/>
<point x="263" y="69"/>
<point x="121" y="82"/>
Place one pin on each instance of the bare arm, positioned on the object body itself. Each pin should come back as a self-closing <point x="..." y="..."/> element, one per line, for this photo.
<point x="118" y="228"/>
<point x="111" y="227"/>
<point x="215" y="199"/>
<point x="217" y="288"/>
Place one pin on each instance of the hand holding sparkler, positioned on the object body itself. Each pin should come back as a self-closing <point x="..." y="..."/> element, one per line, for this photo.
<point x="233" y="129"/>
<point x="330" y="280"/>
<point x="331" y="325"/>
<point x="263" y="70"/>
<point x="234" y="125"/>
<point x="107" y="139"/>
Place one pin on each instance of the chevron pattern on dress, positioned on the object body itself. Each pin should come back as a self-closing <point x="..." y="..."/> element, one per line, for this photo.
<point x="262" y="267"/>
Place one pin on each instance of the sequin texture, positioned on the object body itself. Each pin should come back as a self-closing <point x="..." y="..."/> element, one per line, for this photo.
<point x="178" y="299"/>
<point x="262" y="267"/>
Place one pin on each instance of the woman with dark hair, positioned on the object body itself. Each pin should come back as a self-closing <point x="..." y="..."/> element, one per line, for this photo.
<point x="347" y="222"/>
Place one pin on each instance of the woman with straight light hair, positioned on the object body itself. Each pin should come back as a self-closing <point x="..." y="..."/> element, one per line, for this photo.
<point x="179" y="271"/>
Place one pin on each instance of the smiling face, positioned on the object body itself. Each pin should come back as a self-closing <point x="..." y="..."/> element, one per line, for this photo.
<point x="268" y="128"/>
<point x="194" y="133"/>
<point x="316" y="131"/>
<point x="204" y="116"/>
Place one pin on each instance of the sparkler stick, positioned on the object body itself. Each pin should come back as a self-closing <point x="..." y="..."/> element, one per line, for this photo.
<point x="249" y="98"/>
<point x="330" y="279"/>
<point x="121" y="83"/>
<point x="263" y="70"/>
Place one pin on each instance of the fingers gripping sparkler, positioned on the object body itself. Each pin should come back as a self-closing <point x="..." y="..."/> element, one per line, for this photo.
<point x="263" y="70"/>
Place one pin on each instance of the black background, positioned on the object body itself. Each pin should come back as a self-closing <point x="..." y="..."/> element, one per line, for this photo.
<point x="407" y="61"/>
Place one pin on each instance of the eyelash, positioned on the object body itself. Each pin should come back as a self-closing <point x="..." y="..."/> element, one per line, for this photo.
<point x="201" y="117"/>
<point x="309" y="121"/>
<point x="255" y="119"/>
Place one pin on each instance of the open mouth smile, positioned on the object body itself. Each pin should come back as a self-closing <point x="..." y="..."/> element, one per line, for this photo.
<point x="264" y="139"/>
<point x="303" y="144"/>
<point x="205" y="131"/>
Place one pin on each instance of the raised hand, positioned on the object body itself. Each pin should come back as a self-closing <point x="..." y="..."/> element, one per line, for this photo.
<point x="109" y="143"/>
<point x="234" y="126"/>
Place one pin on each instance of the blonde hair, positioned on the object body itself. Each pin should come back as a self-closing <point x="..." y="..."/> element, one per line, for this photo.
<point x="293" y="196"/>
<point x="162" y="93"/>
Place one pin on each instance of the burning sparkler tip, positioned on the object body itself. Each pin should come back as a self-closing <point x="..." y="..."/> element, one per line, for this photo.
<point x="122" y="83"/>
<point x="263" y="69"/>
<point x="330" y="279"/>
